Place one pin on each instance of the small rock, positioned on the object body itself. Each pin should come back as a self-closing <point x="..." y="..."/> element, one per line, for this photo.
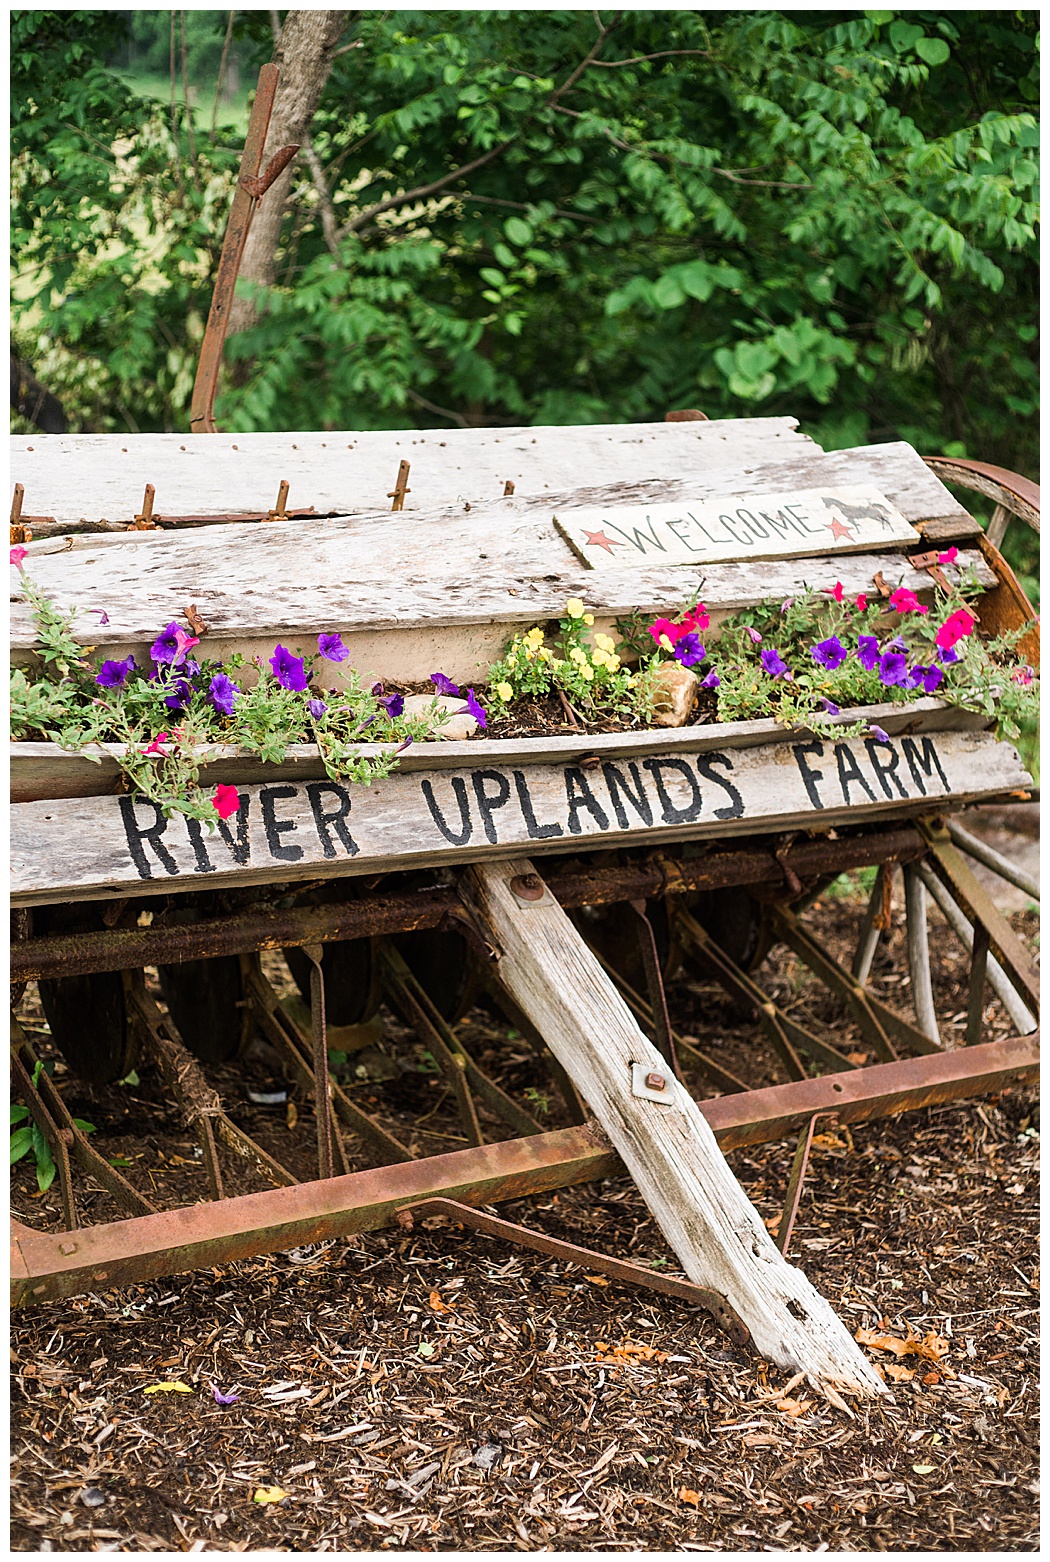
<point x="674" y="693"/>
<point x="457" y="728"/>
<point x="91" y="1497"/>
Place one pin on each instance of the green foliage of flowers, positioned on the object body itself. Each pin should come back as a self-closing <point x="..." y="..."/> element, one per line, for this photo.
<point x="585" y="668"/>
<point x="27" y="1138"/>
<point x="159" y="722"/>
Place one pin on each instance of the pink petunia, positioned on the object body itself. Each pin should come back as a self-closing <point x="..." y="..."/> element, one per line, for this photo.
<point x="949" y="557"/>
<point x="183" y="643"/>
<point x="17" y="555"/>
<point x="906" y="601"/>
<point x="955" y="628"/>
<point x="697" y="619"/>
<point x="838" y="591"/>
<point x="157" y="746"/>
<point x="226" y="801"/>
<point x="862" y="603"/>
<point x="664" y="626"/>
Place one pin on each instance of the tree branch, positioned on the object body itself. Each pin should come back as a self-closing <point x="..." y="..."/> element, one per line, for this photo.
<point x="424" y="189"/>
<point x="329" y="221"/>
<point x="662" y="54"/>
<point x="603" y="33"/>
<point x="442" y="412"/>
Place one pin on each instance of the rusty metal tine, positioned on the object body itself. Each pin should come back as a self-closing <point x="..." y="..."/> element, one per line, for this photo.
<point x="919" y="953"/>
<point x="286" y="1036"/>
<point x="84" y="1153"/>
<point x="786" y="1034"/>
<point x="663" y="1035"/>
<point x="319" y="1030"/>
<point x="947" y="862"/>
<point x="1009" y="997"/>
<point x="519" y="1021"/>
<point x="1012" y="872"/>
<point x="450" y="1060"/>
<point x="875" y="1019"/>
<point x="16" y="505"/>
<point x="400" y="488"/>
<point x="871" y="927"/>
<point x="553" y="1247"/>
<point x="793" y="1196"/>
<point x="242" y="210"/>
<point x="55" y="1137"/>
<point x="210" y="1157"/>
<point x="279" y="511"/>
<point x="728" y="1083"/>
<point x="978" y="973"/>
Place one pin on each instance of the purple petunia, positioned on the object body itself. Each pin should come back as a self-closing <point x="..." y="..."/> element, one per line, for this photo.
<point x="166" y="646"/>
<point x="223" y="693"/>
<point x="332" y="648"/>
<point x="893" y="669"/>
<point x="867" y="652"/>
<point x="288" y="669"/>
<point x="473" y="708"/>
<point x="316" y="708"/>
<point x="112" y="674"/>
<point x="179" y="698"/>
<point x="393" y="704"/>
<point x="444" y="685"/>
<point x="830" y="653"/>
<point x="711" y="681"/>
<point x="773" y="663"/>
<point x="925" y="678"/>
<point x="756" y="638"/>
<point x="223" y="1399"/>
<point x="947" y="656"/>
<point x="879" y="732"/>
<point x="830" y="707"/>
<point x="689" y="651"/>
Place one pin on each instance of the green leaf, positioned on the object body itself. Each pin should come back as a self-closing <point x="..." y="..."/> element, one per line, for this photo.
<point x="933" y="50"/>
<point x="21" y="1143"/>
<point x="904" y="35"/>
<point x="518" y="231"/>
<point x="19" y="1113"/>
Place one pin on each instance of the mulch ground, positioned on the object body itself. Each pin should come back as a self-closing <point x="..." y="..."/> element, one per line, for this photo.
<point x="438" y="1390"/>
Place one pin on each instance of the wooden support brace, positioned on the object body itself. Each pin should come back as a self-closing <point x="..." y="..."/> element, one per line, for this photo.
<point x="668" y="1147"/>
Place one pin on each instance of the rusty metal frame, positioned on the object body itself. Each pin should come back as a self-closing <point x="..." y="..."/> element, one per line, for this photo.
<point x="46" y="1266"/>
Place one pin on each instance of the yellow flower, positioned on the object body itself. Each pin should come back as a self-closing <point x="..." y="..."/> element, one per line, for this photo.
<point x="535" y="635"/>
<point x="599" y="657"/>
<point x="605" y="642"/>
<point x="574" y="607"/>
<point x="612" y="662"/>
<point x="504" y="691"/>
<point x="545" y="653"/>
<point x="586" y="672"/>
<point x="666" y="642"/>
<point x="588" y="619"/>
<point x="578" y="656"/>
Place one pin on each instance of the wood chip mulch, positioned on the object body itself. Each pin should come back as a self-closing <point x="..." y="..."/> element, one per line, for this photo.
<point x="437" y="1390"/>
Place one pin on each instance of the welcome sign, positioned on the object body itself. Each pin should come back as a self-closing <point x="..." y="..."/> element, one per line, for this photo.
<point x="807" y="521"/>
<point x="95" y="847"/>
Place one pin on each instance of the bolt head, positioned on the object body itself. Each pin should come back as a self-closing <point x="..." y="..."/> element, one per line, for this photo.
<point x="528" y="886"/>
<point x="655" y="1082"/>
<point x="67" y="1248"/>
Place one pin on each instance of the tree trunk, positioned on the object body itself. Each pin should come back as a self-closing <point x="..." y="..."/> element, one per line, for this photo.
<point x="304" y="53"/>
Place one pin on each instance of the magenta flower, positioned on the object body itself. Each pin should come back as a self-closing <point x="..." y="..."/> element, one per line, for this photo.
<point x="948" y="557"/>
<point x="332" y="648"/>
<point x="838" y="591"/>
<point x="316" y="708"/>
<point x="112" y="674"/>
<point x="906" y="601"/>
<point x="773" y="663"/>
<point x="893" y="669"/>
<point x="223" y="693"/>
<point x="663" y="626"/>
<point x="17" y="555"/>
<point x="444" y="685"/>
<point x="756" y="638"/>
<point x="157" y="746"/>
<point x="711" y="681"/>
<point x="689" y="651"/>
<point x="288" y="669"/>
<point x="393" y="704"/>
<point x="955" y="628"/>
<point x="224" y="1399"/>
<point x="473" y="708"/>
<point x="830" y="653"/>
<point x="867" y="651"/>
<point x="226" y="801"/>
<point x="1023" y="675"/>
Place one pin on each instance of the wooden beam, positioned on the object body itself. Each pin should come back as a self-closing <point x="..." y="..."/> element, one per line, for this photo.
<point x="669" y="1149"/>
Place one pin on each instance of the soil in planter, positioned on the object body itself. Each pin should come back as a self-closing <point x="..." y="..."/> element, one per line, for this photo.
<point x="549" y="717"/>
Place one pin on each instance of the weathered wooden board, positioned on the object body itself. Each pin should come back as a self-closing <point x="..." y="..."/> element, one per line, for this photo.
<point x="94" y="847"/>
<point x="490" y="570"/>
<point x="837" y="519"/>
<point x="43" y="770"/>
<point x="667" y="1146"/>
<point x="94" y="475"/>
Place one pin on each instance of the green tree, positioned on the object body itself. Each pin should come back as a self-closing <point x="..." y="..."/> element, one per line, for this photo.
<point x="527" y="217"/>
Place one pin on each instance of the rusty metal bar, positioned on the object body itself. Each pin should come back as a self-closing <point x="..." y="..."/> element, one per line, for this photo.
<point x="319" y="1060"/>
<point x="552" y="1247"/>
<point x="206" y="1234"/>
<point x="796" y="1180"/>
<point x="978" y="973"/>
<point x="663" y="1035"/>
<point x="948" y="863"/>
<point x="249" y="191"/>
<point x="267" y="927"/>
<point x="55" y="1137"/>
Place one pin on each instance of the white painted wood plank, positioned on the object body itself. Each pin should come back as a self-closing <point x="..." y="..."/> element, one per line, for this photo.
<point x="669" y="1149"/>
<point x="89" y="848"/>
<point x="43" y="770"/>
<point x="89" y="476"/>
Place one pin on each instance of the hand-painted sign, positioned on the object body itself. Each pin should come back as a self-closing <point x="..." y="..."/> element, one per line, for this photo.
<point x="94" y="847"/>
<point x="813" y="520"/>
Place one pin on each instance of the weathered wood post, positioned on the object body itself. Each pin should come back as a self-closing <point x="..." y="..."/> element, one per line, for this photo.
<point x="669" y="1149"/>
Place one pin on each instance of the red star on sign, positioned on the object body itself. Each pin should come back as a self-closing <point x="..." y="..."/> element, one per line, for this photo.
<point x="600" y="540"/>
<point x="837" y="529"/>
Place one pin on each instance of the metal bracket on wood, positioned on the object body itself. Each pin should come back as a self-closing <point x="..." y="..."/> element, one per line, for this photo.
<point x="400" y="488"/>
<point x="552" y="1247"/>
<point x="796" y="1179"/>
<point x="144" y="521"/>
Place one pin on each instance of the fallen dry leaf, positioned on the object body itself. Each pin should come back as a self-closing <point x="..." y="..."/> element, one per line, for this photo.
<point x="596" y="1279"/>
<point x="932" y="1347"/>
<point x="898" y="1373"/>
<point x="168" y="1388"/>
<point x="270" y="1494"/>
<point x="438" y="1305"/>
<point x="691" y="1497"/>
<point x="794" y="1407"/>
